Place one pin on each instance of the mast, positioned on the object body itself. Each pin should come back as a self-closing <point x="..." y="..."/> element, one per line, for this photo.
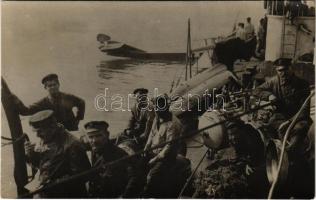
<point x="189" y="48"/>
<point x="20" y="170"/>
<point x="189" y="52"/>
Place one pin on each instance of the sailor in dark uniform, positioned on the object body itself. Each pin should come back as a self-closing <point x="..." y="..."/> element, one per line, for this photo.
<point x="118" y="180"/>
<point x="289" y="92"/>
<point x="142" y="115"/>
<point x="61" y="103"/>
<point x="59" y="155"/>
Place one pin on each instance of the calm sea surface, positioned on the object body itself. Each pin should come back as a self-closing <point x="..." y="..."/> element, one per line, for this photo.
<point x="59" y="37"/>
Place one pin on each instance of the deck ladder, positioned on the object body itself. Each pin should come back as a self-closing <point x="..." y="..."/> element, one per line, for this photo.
<point x="289" y="39"/>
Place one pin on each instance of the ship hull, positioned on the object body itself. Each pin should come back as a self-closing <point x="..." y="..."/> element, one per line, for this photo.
<point x="132" y="52"/>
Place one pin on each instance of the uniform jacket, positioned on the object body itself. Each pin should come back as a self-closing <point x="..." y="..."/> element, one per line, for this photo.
<point x="60" y="158"/>
<point x="62" y="107"/>
<point x="141" y="120"/>
<point x="290" y="96"/>
<point x="115" y="180"/>
<point x="163" y="131"/>
<point x="250" y="30"/>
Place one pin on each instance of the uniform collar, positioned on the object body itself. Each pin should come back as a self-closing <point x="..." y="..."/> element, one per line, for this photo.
<point x="57" y="96"/>
<point x="167" y="119"/>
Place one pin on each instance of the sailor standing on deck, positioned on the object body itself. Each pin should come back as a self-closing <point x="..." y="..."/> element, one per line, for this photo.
<point x="58" y="156"/>
<point x="249" y="29"/>
<point x="119" y="180"/>
<point x="240" y="32"/>
<point x="261" y="36"/>
<point x="61" y="103"/>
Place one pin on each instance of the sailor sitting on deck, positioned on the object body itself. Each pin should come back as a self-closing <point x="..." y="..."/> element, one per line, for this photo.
<point x="163" y="160"/>
<point x="59" y="155"/>
<point x="289" y="92"/>
<point x="142" y="116"/>
<point x="121" y="179"/>
<point x="61" y="103"/>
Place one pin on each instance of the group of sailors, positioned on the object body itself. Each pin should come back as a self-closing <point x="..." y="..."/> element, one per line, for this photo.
<point x="60" y="155"/>
<point x="247" y="32"/>
<point x="289" y="8"/>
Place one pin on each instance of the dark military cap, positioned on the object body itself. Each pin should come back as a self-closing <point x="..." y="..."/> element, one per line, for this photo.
<point x="96" y="126"/>
<point x="140" y="90"/>
<point x="162" y="101"/>
<point x="49" y="77"/>
<point x="286" y="62"/>
<point x="42" y="119"/>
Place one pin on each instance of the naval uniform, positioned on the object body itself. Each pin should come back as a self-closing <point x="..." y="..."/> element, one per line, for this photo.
<point x="117" y="180"/>
<point x="62" y="106"/>
<point x="162" y="131"/>
<point x="141" y="120"/>
<point x="63" y="157"/>
<point x="290" y="97"/>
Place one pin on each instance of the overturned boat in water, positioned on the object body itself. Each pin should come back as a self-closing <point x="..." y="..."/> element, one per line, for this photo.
<point x="114" y="48"/>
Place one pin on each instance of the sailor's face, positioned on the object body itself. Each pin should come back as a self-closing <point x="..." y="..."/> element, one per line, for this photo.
<point x="161" y="106"/>
<point x="141" y="99"/>
<point x="161" y="111"/>
<point x="98" y="139"/>
<point x="52" y="87"/>
<point x="46" y="133"/>
<point x="283" y="72"/>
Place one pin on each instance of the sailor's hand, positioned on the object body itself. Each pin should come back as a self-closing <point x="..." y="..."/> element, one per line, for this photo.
<point x="128" y="132"/>
<point x="144" y="155"/>
<point x="248" y="170"/>
<point x="291" y="144"/>
<point x="29" y="148"/>
<point x="283" y="126"/>
<point x="153" y="161"/>
<point x="272" y="98"/>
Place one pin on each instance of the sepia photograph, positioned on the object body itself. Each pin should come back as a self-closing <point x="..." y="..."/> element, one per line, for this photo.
<point x="158" y="99"/>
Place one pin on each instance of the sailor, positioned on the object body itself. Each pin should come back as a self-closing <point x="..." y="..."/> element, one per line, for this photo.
<point x="249" y="78"/>
<point x="118" y="180"/>
<point x="166" y="127"/>
<point x="289" y="93"/>
<point x="58" y="156"/>
<point x="261" y="36"/>
<point x="240" y="32"/>
<point x="249" y="29"/>
<point x="61" y="103"/>
<point x="142" y="115"/>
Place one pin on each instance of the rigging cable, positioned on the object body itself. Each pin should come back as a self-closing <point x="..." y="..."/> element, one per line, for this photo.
<point x="284" y="143"/>
<point x="192" y="174"/>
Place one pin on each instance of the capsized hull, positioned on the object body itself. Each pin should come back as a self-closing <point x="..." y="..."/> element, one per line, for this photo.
<point x="125" y="50"/>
